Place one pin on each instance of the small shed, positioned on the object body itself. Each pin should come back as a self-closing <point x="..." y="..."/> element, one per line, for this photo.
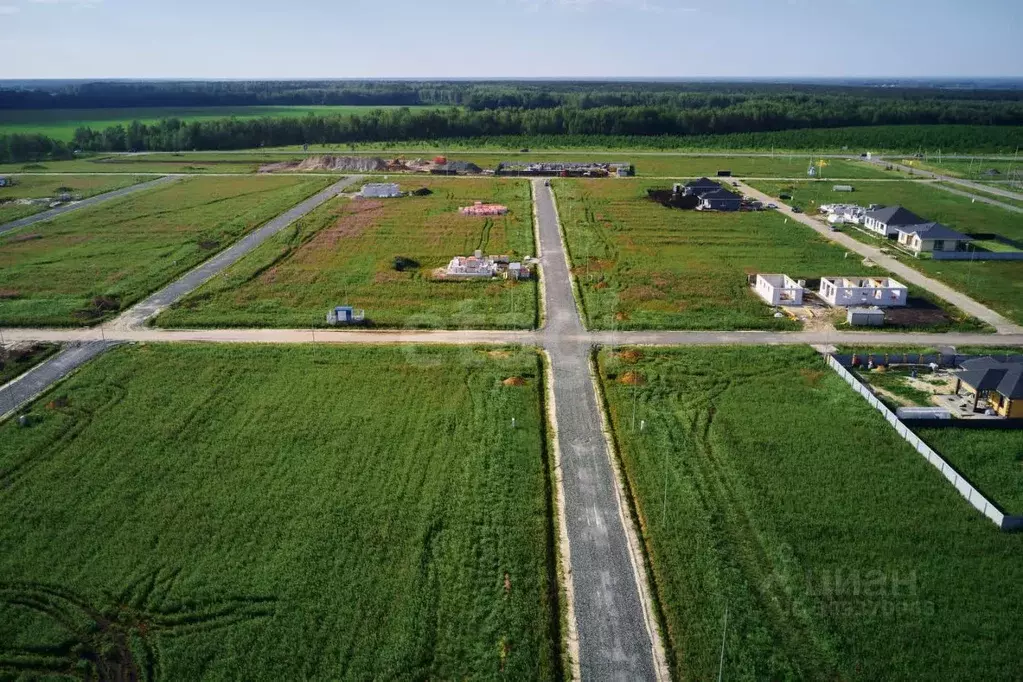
<point x="865" y="317"/>
<point x="842" y="188"/>
<point x="345" y="314"/>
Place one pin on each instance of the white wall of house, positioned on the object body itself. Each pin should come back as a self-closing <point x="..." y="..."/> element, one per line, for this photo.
<point x="875" y="225"/>
<point x="917" y="245"/>
<point x="845" y="292"/>
<point x="778" y="290"/>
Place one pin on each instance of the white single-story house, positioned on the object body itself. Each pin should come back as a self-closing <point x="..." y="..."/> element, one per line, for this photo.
<point x="882" y="292"/>
<point x="779" y="289"/>
<point x="885" y="221"/>
<point x="380" y="190"/>
<point x="932" y="237"/>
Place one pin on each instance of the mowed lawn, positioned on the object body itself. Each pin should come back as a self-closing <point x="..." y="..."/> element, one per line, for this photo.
<point x="640" y="265"/>
<point x="998" y="284"/>
<point x="269" y="513"/>
<point x="768" y="489"/>
<point x="343" y="253"/>
<point x="86" y="265"/>
<point x="49" y="186"/>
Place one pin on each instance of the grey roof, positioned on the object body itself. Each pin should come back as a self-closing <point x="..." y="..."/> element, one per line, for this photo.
<point x="935" y="231"/>
<point x="721" y="195"/>
<point x="988" y="374"/>
<point x="895" y="215"/>
<point x="703" y="183"/>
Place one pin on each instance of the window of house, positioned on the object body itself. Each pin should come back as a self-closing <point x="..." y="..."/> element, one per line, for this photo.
<point x="939" y="244"/>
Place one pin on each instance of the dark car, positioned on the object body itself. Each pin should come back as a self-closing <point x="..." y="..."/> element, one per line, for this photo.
<point x="796" y="209"/>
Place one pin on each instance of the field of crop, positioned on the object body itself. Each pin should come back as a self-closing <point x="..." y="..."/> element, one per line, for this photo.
<point x="15" y="361"/>
<point x="640" y="265"/>
<point x="60" y="124"/>
<point x="768" y="490"/>
<point x="43" y="186"/>
<point x="84" y="266"/>
<point x="269" y="513"/>
<point x="998" y="284"/>
<point x="344" y="253"/>
<point x="991" y="459"/>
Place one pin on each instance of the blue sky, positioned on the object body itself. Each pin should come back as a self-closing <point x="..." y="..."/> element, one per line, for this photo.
<point x="508" y="38"/>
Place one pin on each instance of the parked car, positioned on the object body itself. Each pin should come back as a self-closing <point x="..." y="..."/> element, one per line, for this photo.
<point x="772" y="205"/>
<point x="796" y="209"/>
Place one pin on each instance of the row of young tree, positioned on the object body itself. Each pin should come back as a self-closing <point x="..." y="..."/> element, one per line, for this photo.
<point x="232" y="134"/>
<point x="478" y="95"/>
<point x="405" y="124"/>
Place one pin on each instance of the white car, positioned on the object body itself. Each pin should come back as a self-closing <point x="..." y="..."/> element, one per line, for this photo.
<point x="772" y="205"/>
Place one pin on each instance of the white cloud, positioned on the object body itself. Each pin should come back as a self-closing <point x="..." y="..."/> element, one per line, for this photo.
<point x="9" y="9"/>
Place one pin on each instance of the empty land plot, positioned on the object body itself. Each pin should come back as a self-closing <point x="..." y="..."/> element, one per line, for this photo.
<point x="767" y="488"/>
<point x="344" y="253"/>
<point x="998" y="284"/>
<point x="985" y="194"/>
<point x="47" y="186"/>
<point x="640" y="265"/>
<point x="87" y="265"/>
<point x="991" y="459"/>
<point x="389" y="524"/>
<point x="968" y="169"/>
<point x="152" y="164"/>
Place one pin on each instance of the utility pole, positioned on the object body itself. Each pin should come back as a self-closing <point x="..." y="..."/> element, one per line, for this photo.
<point x="721" y="662"/>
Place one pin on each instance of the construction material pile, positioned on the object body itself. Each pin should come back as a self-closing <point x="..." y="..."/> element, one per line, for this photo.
<point x="357" y="164"/>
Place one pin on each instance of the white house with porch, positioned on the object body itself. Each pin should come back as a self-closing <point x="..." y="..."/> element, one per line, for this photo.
<point x="882" y="292"/>
<point x="779" y="289"/>
<point x="931" y="237"/>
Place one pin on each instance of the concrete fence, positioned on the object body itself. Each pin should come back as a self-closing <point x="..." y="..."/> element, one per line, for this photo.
<point x="977" y="255"/>
<point x="965" y="488"/>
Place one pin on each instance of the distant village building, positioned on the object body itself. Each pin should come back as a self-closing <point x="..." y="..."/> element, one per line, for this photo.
<point x="380" y="190"/>
<point x="863" y="291"/>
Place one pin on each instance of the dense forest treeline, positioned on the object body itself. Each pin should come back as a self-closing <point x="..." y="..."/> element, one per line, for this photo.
<point x="478" y="95"/>
<point x="904" y="139"/>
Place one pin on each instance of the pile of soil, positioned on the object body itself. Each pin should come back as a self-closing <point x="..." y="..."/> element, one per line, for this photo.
<point x="361" y="164"/>
<point x="669" y="199"/>
<point x="632" y="379"/>
<point x="514" y="381"/>
<point x="631" y="356"/>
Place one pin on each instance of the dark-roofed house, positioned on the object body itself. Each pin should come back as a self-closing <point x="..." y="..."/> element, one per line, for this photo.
<point x="719" y="200"/>
<point x="701" y="187"/>
<point x="998" y="382"/>
<point x="456" y="168"/>
<point x="885" y="221"/>
<point x="932" y="237"/>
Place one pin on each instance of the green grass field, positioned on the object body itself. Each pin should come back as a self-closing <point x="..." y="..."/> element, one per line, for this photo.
<point x="998" y="284"/>
<point x="42" y="186"/>
<point x="988" y="195"/>
<point x="767" y="488"/>
<point x="991" y="460"/>
<point x="85" y="266"/>
<point x="343" y="253"/>
<point x="975" y="169"/>
<point x="269" y="513"/>
<point x="60" y="124"/>
<point x="15" y="361"/>
<point x="640" y="265"/>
